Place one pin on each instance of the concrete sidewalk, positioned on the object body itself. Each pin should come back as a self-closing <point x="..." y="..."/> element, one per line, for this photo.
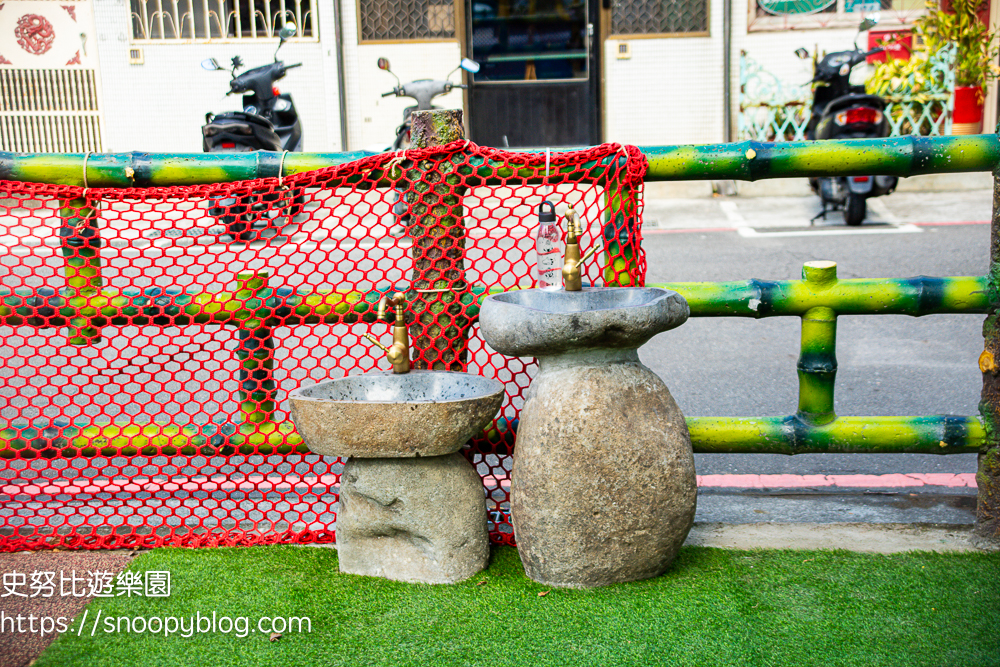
<point x="789" y="203"/>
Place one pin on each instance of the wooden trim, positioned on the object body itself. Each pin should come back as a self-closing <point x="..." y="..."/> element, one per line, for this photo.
<point x="837" y="20"/>
<point x="463" y="50"/>
<point x="602" y="32"/>
<point x="422" y="40"/>
<point x="991" y="102"/>
<point x="659" y="35"/>
<point x="664" y="35"/>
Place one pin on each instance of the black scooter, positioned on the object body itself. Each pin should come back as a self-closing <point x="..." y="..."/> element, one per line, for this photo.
<point x="843" y="111"/>
<point x="268" y="122"/>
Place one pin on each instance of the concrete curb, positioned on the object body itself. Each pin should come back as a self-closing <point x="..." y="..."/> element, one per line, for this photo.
<point x="884" y="538"/>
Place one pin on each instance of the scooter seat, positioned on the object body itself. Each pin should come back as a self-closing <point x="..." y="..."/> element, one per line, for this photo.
<point x="228" y="117"/>
<point x="247" y="130"/>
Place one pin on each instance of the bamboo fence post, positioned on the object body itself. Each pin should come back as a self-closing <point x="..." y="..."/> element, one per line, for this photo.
<point x="987" y="526"/>
<point x="439" y="333"/>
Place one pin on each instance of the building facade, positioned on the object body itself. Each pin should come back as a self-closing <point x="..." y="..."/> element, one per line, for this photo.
<point x="120" y="75"/>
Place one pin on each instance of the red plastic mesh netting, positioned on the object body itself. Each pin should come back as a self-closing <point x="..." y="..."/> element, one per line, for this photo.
<point x="150" y="336"/>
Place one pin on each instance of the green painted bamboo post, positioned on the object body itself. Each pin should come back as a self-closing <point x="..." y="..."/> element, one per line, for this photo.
<point x="619" y="230"/>
<point x="817" y="366"/>
<point x="81" y="247"/>
<point x="987" y="525"/>
<point x="439" y="333"/>
<point x="256" y="354"/>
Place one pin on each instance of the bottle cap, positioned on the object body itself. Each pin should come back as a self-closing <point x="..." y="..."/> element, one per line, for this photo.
<point x="546" y="216"/>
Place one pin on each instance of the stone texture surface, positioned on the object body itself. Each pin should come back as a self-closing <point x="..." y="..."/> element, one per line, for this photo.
<point x="603" y="488"/>
<point x="533" y="323"/>
<point x="416" y="520"/>
<point x="382" y="415"/>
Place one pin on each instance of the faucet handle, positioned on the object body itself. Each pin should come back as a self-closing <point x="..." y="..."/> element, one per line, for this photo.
<point x="375" y="341"/>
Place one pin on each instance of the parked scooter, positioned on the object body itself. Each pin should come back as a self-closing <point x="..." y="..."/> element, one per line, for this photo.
<point x="423" y="91"/>
<point x="843" y="111"/>
<point x="270" y="122"/>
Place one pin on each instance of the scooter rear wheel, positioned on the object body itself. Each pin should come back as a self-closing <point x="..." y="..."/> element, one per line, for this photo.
<point x="855" y="209"/>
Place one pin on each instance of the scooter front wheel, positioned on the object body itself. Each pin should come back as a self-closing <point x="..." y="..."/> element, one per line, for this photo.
<point x="855" y="209"/>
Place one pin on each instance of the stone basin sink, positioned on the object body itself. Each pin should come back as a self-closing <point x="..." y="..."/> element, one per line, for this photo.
<point x="535" y="323"/>
<point x="603" y="487"/>
<point x="384" y="415"/>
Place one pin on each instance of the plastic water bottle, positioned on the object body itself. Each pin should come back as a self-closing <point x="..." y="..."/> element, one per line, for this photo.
<point x="548" y="249"/>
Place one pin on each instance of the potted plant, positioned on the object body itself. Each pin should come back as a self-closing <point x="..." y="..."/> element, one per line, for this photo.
<point x="975" y="60"/>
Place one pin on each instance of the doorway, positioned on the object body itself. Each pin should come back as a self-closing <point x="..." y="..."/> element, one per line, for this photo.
<point x="539" y="78"/>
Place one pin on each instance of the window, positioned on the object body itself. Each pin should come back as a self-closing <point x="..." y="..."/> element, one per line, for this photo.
<point x="659" y="17"/>
<point x="406" y="20"/>
<point x="203" y="20"/>
<point x="807" y="15"/>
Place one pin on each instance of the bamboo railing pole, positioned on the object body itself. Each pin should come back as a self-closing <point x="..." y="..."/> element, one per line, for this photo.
<point x="744" y="161"/>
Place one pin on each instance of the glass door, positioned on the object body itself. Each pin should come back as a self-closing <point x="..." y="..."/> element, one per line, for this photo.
<point x="537" y="83"/>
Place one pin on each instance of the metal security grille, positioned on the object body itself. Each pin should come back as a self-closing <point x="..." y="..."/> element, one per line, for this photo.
<point x="650" y="17"/>
<point x="203" y="20"/>
<point x="394" y="20"/>
<point x="49" y="111"/>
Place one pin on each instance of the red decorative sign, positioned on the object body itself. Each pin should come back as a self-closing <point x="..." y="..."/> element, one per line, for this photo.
<point x="900" y="48"/>
<point x="4" y="61"/>
<point x="71" y="10"/>
<point x="34" y="34"/>
<point x="75" y="60"/>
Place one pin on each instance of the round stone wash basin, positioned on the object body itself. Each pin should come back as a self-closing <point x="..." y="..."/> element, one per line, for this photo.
<point x="603" y="486"/>
<point x="535" y="323"/>
<point x="385" y="415"/>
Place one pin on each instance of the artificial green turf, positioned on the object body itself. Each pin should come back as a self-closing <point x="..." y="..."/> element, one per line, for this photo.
<point x="713" y="607"/>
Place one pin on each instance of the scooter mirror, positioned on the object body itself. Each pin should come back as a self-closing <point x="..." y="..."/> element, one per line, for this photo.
<point x="802" y="53"/>
<point x="469" y="65"/>
<point x="870" y="22"/>
<point x="383" y="64"/>
<point x="287" y="31"/>
<point x="211" y="65"/>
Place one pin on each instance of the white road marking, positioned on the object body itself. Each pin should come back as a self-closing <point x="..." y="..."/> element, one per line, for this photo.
<point x="882" y="210"/>
<point x="732" y="213"/>
<point x="750" y="232"/>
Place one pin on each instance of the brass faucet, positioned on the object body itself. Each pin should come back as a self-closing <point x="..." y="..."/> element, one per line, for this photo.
<point x="573" y="261"/>
<point x="398" y="353"/>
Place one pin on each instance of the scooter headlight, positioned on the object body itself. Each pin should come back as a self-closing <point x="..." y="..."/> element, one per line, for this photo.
<point x="858" y="115"/>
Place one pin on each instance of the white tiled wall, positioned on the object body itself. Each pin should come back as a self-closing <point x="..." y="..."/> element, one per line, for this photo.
<point x="669" y="92"/>
<point x="160" y="105"/>
<point x="372" y="120"/>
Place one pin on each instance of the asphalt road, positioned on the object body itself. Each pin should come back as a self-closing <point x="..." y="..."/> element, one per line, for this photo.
<point x="888" y="365"/>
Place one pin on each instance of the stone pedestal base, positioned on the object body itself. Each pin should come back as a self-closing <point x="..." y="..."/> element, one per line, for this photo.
<point x="412" y="519"/>
<point x="603" y="488"/>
